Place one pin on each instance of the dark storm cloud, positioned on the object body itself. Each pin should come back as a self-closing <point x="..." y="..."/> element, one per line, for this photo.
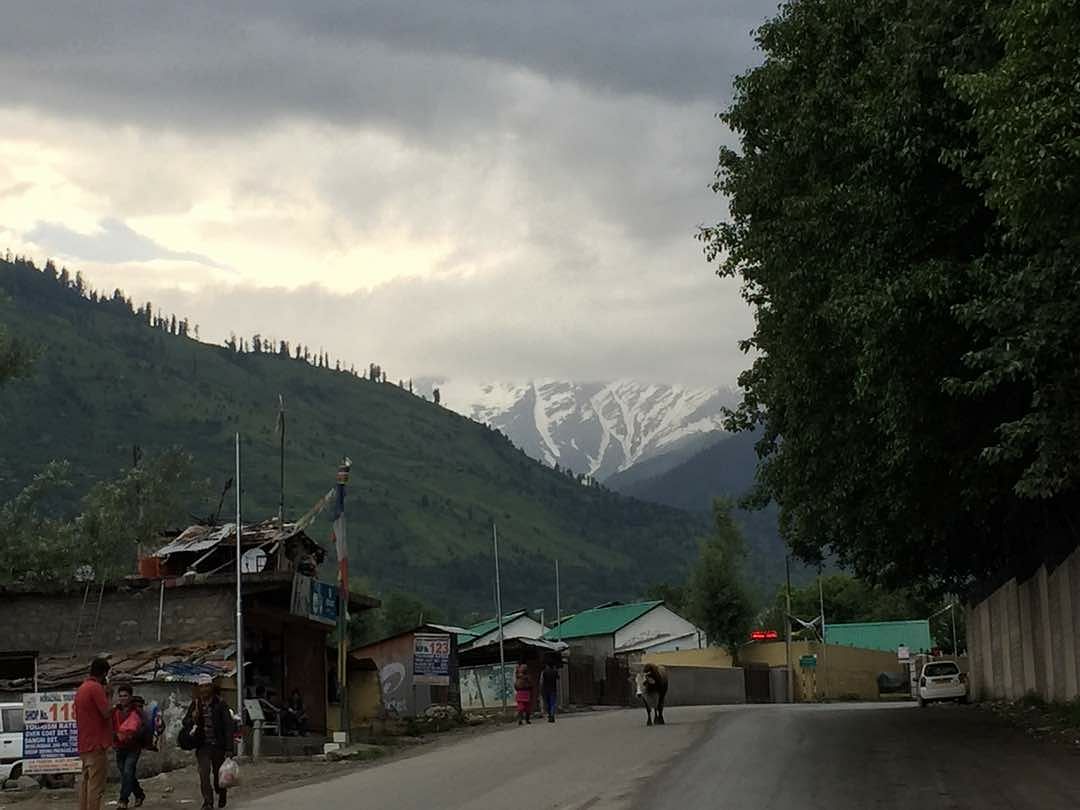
<point x="421" y="65"/>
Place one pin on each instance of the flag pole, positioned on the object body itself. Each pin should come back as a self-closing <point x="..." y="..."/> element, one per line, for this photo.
<point x="239" y="602"/>
<point x="499" y="614"/>
<point x="340" y="545"/>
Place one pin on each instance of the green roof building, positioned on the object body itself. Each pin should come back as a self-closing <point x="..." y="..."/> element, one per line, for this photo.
<point x="886" y="636"/>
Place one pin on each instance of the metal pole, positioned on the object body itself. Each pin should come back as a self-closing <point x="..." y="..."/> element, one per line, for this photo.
<point x="239" y="603"/>
<point x="824" y="644"/>
<point x="281" y="491"/>
<point x="499" y="614"/>
<point x="161" y="607"/>
<point x="558" y="604"/>
<point x="952" y="615"/>
<point x="787" y="632"/>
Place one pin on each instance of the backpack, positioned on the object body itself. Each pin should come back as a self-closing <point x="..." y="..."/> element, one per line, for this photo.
<point x="149" y="732"/>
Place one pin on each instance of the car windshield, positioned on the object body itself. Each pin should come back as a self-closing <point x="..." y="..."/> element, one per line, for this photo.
<point x="937" y="670"/>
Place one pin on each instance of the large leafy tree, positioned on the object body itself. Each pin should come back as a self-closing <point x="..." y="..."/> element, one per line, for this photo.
<point x="15" y="357"/>
<point x="715" y="597"/>
<point x="916" y="331"/>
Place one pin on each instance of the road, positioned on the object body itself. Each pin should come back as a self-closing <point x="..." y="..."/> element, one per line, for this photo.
<point x="847" y="757"/>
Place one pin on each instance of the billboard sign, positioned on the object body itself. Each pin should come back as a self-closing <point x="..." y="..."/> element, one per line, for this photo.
<point x="431" y="659"/>
<point x="50" y="737"/>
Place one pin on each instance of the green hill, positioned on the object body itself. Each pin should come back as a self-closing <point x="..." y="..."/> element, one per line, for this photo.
<point x="426" y="482"/>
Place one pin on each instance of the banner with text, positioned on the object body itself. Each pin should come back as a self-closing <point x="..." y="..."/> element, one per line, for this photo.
<point x="50" y="738"/>
<point x="431" y="659"/>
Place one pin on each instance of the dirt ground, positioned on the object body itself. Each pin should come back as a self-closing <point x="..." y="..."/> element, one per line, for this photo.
<point x="180" y="788"/>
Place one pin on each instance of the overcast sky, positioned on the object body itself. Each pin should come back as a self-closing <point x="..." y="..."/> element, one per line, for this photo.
<point x="491" y="190"/>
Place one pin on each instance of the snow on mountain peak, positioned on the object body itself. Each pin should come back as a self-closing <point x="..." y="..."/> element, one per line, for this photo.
<point x="594" y="428"/>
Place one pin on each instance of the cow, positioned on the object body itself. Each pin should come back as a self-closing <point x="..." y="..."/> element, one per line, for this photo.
<point x="651" y="684"/>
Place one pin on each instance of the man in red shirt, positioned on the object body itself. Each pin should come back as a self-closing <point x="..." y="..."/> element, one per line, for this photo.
<point x="93" y="719"/>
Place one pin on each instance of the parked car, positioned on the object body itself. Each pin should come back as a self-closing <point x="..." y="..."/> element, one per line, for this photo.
<point x="11" y="740"/>
<point x="942" y="680"/>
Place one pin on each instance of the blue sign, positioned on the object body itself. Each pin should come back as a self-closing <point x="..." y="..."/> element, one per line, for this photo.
<point x="324" y="602"/>
<point x="315" y="600"/>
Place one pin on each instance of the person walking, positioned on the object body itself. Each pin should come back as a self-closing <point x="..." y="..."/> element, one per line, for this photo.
<point x="549" y="689"/>
<point x="93" y="722"/>
<point x="210" y="722"/>
<point x="523" y="693"/>
<point x="130" y="726"/>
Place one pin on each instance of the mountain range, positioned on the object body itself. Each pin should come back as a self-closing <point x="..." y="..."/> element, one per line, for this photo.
<point x="599" y="429"/>
<point x="427" y="482"/>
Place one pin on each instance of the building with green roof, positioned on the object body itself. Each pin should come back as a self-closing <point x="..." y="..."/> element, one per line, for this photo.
<point x="886" y="636"/>
<point x="518" y="624"/>
<point x="622" y="629"/>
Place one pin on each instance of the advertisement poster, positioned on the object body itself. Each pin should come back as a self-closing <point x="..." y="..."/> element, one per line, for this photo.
<point x="431" y="659"/>
<point x="50" y="739"/>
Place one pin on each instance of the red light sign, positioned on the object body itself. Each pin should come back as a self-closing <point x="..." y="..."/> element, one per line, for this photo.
<point x="764" y="635"/>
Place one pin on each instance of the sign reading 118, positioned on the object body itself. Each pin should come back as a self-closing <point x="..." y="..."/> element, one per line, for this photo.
<point x="61" y="712"/>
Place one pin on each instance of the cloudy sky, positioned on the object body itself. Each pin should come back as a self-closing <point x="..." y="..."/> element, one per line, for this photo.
<point x="483" y="189"/>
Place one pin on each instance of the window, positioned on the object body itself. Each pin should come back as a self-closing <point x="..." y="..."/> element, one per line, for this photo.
<point x="939" y="670"/>
<point x="11" y="720"/>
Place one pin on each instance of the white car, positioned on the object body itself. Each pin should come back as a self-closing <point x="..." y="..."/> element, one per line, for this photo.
<point x="942" y="680"/>
<point x="11" y="740"/>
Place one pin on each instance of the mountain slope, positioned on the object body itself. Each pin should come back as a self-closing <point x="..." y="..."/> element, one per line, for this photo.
<point x="426" y="482"/>
<point x="724" y="469"/>
<point x="593" y="428"/>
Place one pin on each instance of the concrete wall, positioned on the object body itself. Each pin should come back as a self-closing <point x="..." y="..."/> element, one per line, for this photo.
<point x="841" y="672"/>
<point x="1023" y="637"/>
<point x="129" y="618"/>
<point x="705" y="686"/>
<point x="707" y="657"/>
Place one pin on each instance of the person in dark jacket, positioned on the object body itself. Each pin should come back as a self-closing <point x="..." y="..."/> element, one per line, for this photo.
<point x="211" y="721"/>
<point x="549" y="689"/>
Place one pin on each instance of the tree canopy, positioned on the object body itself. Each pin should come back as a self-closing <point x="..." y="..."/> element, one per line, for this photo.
<point x="903" y="216"/>
<point x="715" y="597"/>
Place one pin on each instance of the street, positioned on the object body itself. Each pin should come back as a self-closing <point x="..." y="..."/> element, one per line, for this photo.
<point x="835" y="757"/>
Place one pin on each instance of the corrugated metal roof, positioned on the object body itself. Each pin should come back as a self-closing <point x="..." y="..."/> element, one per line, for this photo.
<point x="600" y="621"/>
<point x="200" y="537"/>
<point x="485" y="627"/>
<point x="887" y="636"/>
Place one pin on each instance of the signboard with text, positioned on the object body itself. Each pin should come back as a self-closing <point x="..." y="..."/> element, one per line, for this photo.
<point x="50" y="738"/>
<point x="314" y="600"/>
<point x="431" y="659"/>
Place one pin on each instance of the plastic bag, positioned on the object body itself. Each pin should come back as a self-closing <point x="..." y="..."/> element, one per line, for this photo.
<point x="129" y="729"/>
<point x="228" y="773"/>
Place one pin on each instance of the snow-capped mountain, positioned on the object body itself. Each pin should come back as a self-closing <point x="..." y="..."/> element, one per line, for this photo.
<point x="594" y="428"/>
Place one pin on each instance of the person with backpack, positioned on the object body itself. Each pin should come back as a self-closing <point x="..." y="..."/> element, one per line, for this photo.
<point x="207" y="729"/>
<point x="129" y="729"/>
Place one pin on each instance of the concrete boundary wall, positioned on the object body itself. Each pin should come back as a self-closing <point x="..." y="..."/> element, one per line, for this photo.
<point x="705" y="686"/>
<point x="1023" y="637"/>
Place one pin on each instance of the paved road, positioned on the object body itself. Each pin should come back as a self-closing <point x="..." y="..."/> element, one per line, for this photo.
<point x="859" y="757"/>
<point x="852" y="757"/>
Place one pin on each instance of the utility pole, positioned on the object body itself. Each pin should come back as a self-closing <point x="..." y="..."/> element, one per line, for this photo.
<point x="787" y="631"/>
<point x="239" y="601"/>
<point x="824" y="644"/>
<point x="499" y="614"/>
<point x="558" y="604"/>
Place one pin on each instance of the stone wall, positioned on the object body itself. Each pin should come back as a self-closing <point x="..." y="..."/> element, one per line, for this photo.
<point x="128" y="618"/>
<point x="1023" y="637"/>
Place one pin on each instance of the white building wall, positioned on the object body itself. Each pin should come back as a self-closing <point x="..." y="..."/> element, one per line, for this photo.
<point x="656" y="625"/>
